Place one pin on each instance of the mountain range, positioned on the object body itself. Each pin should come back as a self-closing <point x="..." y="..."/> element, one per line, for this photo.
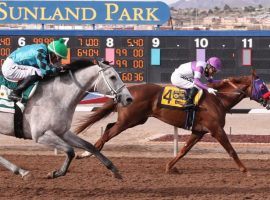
<point x="208" y="4"/>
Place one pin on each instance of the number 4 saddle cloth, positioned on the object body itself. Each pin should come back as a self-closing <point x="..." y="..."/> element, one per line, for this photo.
<point x="6" y="105"/>
<point x="173" y="97"/>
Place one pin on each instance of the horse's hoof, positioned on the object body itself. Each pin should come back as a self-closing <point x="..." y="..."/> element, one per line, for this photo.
<point x="117" y="175"/>
<point x="51" y="175"/>
<point x="78" y="157"/>
<point x="248" y="174"/>
<point x="167" y="169"/>
<point x="172" y="171"/>
<point x="83" y="155"/>
<point x="27" y="176"/>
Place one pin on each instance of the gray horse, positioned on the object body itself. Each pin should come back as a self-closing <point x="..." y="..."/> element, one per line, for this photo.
<point x="48" y="114"/>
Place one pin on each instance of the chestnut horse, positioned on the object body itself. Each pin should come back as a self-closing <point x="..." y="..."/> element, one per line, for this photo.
<point x="210" y="115"/>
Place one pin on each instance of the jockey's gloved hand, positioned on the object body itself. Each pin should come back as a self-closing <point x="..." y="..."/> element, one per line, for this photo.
<point x="212" y="91"/>
<point x="63" y="68"/>
<point x="226" y="80"/>
<point x="38" y="73"/>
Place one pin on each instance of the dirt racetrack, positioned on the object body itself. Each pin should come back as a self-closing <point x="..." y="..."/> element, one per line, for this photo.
<point x="144" y="178"/>
<point x="206" y="172"/>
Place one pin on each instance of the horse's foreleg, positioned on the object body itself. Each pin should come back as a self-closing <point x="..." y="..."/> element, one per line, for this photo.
<point x="78" y="142"/>
<point x="12" y="167"/>
<point x="222" y="138"/>
<point x="193" y="139"/>
<point x="49" y="138"/>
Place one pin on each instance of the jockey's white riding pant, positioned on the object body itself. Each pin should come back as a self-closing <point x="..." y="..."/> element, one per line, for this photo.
<point x="182" y="81"/>
<point x="14" y="72"/>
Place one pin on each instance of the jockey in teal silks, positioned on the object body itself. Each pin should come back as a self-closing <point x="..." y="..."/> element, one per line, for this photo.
<point x="31" y="63"/>
<point x="188" y="76"/>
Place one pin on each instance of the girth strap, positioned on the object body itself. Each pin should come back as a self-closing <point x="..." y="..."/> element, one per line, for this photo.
<point x="18" y="122"/>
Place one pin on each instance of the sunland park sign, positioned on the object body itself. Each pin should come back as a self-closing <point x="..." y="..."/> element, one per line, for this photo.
<point x="83" y="12"/>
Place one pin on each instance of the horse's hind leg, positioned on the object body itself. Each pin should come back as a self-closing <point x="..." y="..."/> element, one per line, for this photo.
<point x="222" y="138"/>
<point x="78" y="142"/>
<point x="113" y="129"/>
<point x="193" y="139"/>
<point x="15" y="169"/>
<point x="100" y="143"/>
<point x="106" y="136"/>
<point x="51" y="139"/>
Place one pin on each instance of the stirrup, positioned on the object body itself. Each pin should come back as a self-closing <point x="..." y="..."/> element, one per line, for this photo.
<point x="189" y="106"/>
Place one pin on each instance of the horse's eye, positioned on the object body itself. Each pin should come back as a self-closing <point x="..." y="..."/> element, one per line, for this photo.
<point x="113" y="78"/>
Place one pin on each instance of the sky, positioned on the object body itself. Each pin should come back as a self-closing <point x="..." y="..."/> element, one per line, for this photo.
<point x="165" y="1"/>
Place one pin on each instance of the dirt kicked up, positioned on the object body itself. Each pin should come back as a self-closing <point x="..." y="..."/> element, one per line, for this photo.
<point x="144" y="178"/>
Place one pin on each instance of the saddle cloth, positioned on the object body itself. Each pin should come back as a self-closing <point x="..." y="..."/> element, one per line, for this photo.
<point x="174" y="97"/>
<point x="6" y="105"/>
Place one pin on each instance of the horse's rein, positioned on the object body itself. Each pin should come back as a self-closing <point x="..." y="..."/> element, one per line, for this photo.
<point x="77" y="83"/>
<point x="229" y="92"/>
<point x="234" y="86"/>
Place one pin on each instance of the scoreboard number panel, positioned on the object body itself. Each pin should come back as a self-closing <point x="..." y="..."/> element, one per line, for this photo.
<point x="152" y="56"/>
<point x="129" y="57"/>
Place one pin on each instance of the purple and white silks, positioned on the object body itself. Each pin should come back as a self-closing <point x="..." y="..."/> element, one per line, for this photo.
<point x="198" y="71"/>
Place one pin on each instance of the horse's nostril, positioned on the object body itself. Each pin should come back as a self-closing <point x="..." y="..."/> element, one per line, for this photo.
<point x="129" y="100"/>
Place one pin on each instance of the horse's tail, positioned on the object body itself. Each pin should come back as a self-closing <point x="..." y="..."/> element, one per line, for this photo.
<point x="99" y="114"/>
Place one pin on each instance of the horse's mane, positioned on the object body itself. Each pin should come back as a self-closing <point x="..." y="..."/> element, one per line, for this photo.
<point x="235" y="80"/>
<point x="73" y="66"/>
<point x="79" y="64"/>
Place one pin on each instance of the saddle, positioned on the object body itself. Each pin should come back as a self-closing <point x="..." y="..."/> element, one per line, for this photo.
<point x="172" y="97"/>
<point x="8" y="106"/>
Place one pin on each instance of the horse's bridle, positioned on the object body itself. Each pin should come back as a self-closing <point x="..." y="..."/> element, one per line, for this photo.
<point x="113" y="92"/>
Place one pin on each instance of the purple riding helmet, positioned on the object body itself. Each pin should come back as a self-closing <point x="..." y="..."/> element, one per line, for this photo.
<point x="215" y="62"/>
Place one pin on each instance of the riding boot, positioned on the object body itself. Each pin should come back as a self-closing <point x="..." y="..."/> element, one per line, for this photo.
<point x="191" y="96"/>
<point x="16" y="94"/>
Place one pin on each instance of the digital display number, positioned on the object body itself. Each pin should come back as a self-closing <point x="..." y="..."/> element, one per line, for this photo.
<point x="89" y="42"/>
<point x="135" y="42"/>
<point x="132" y="77"/>
<point x="88" y="52"/>
<point x="45" y="40"/>
<point x="5" y="41"/>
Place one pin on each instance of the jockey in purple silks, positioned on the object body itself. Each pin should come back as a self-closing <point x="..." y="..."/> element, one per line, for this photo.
<point x="188" y="76"/>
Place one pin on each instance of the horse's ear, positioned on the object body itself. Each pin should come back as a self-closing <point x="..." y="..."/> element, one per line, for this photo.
<point x="106" y="62"/>
<point x="253" y="73"/>
<point x="101" y="64"/>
